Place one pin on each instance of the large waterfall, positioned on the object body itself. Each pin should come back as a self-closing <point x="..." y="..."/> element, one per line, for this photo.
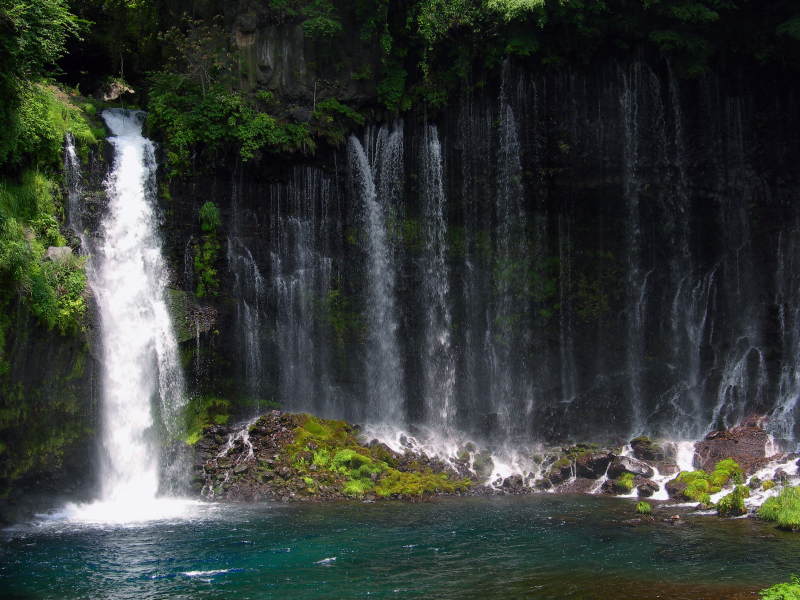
<point x="573" y="257"/>
<point x="142" y="384"/>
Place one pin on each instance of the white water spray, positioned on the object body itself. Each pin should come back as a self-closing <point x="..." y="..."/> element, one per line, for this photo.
<point x="142" y="381"/>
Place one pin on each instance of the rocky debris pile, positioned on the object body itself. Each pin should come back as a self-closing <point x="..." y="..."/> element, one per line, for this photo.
<point x="586" y="468"/>
<point x="285" y="457"/>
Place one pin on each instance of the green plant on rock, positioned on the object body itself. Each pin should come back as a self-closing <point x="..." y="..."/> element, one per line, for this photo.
<point x="206" y="251"/>
<point x="625" y="482"/>
<point x="700" y="485"/>
<point x="782" y="591"/>
<point x="322" y="20"/>
<point x="767" y="485"/>
<point x="332" y="120"/>
<point x="215" y="120"/>
<point x="337" y="458"/>
<point x="644" y="508"/>
<point x="732" y="504"/>
<point x="784" y="509"/>
<point x="202" y="411"/>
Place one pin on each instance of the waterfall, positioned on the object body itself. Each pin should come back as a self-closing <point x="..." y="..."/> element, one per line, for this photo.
<point x="385" y="396"/>
<point x="301" y="274"/>
<point x="248" y="290"/>
<point x="635" y="285"/>
<point x="438" y="366"/>
<point x="510" y="271"/>
<point x="142" y="386"/>
<point x="74" y="185"/>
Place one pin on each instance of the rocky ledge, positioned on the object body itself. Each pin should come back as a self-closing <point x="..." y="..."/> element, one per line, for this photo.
<point x="285" y="457"/>
<point x="282" y="456"/>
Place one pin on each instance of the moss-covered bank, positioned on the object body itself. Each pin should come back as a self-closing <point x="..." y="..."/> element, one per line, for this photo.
<point x="283" y="456"/>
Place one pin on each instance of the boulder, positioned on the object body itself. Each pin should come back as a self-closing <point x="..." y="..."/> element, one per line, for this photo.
<point x="58" y="254"/>
<point x="675" y="488"/>
<point x="612" y="487"/>
<point x="592" y="465"/>
<point x="579" y="485"/>
<point x="646" y="449"/>
<point x="667" y="468"/>
<point x="560" y="472"/>
<point x="645" y="487"/>
<point x="780" y="476"/>
<point x="513" y="484"/>
<point x="626" y="464"/>
<point x="745" y="444"/>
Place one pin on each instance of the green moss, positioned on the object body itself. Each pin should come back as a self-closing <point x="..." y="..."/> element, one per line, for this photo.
<point x="784" y="509"/>
<point x="700" y="484"/>
<point x="644" y="508"/>
<point x="339" y="459"/>
<point x="625" y="481"/>
<point x="767" y="485"/>
<point x="397" y="483"/>
<point x="202" y="411"/>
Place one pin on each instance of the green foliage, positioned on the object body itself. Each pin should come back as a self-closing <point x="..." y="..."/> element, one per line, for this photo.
<point x="206" y="251"/>
<point x="210" y="219"/>
<point x="783" y="509"/>
<point x="782" y="591"/>
<point x="332" y="120"/>
<point x="33" y="35"/>
<point x="215" y="120"/>
<point x="54" y="291"/>
<point x="33" y="134"/>
<point x="644" y="508"/>
<point x="732" y="504"/>
<point x="322" y="20"/>
<point x="767" y="485"/>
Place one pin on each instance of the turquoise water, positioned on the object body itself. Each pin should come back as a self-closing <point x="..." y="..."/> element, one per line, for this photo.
<point x="543" y="547"/>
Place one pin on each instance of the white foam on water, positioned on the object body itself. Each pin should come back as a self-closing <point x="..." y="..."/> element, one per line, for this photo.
<point x="210" y="573"/>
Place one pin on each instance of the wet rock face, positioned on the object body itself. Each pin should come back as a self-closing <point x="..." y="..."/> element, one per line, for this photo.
<point x="592" y="465"/>
<point x="646" y="449"/>
<point x="675" y="488"/>
<point x="625" y="464"/>
<point x="746" y="445"/>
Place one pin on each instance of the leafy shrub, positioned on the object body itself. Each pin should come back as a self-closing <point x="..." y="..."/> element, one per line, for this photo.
<point x="644" y="508"/>
<point x="322" y="21"/>
<point x="216" y="120"/>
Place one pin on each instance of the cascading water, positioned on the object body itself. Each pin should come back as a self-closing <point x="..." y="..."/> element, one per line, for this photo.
<point x="510" y="314"/>
<point x="248" y="289"/>
<point x="385" y="403"/>
<point x="438" y="365"/>
<point x="142" y="381"/>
